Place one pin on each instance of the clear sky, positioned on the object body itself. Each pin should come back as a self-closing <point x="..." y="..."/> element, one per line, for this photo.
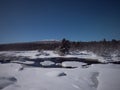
<point x="80" y="20"/>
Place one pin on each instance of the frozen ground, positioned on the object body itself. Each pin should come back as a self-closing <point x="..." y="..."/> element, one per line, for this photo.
<point x="17" y="76"/>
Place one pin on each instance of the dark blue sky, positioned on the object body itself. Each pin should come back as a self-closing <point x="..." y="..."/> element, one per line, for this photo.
<point x="82" y="20"/>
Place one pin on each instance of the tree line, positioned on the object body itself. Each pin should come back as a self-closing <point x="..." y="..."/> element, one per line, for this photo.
<point x="64" y="46"/>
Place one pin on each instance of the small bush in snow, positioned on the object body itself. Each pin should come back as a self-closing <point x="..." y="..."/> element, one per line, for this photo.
<point x="64" y="48"/>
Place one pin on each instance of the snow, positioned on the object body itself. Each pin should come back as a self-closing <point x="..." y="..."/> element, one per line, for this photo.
<point x="94" y="77"/>
<point x="72" y="64"/>
<point x="56" y="74"/>
<point x="47" y="63"/>
<point x="109" y="77"/>
<point x="49" y="54"/>
<point x="6" y="81"/>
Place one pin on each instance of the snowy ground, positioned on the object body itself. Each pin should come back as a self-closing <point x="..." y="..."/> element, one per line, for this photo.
<point x="16" y="76"/>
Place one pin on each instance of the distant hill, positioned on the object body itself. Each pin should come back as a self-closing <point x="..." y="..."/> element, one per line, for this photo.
<point x="47" y="45"/>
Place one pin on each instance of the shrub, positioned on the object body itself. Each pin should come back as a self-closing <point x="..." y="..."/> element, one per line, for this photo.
<point x="64" y="47"/>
